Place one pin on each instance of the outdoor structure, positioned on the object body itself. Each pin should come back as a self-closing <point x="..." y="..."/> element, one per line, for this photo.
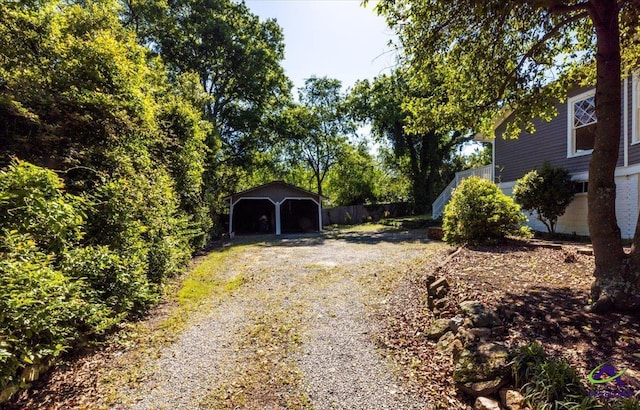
<point x="567" y="142"/>
<point x="276" y="208"/>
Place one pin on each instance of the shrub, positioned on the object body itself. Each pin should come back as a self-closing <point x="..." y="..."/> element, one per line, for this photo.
<point x="117" y="282"/>
<point x="479" y="212"/>
<point x="547" y="383"/>
<point x="42" y="312"/>
<point x="137" y="215"/>
<point x="32" y="201"/>
<point x="548" y="192"/>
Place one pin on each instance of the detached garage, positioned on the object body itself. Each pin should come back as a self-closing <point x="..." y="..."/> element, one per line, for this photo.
<point x="276" y="208"/>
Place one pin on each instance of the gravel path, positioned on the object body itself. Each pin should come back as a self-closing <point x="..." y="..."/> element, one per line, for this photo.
<point x="296" y="335"/>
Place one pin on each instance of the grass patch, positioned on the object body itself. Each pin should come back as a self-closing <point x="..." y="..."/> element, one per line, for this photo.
<point x="549" y="383"/>
<point x="203" y="286"/>
<point x="269" y="377"/>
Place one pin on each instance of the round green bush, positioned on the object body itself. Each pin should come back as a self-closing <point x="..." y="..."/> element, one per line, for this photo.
<point x="479" y="212"/>
<point x="548" y="192"/>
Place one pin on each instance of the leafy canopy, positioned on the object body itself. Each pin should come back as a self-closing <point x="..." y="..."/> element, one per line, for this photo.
<point x="492" y="57"/>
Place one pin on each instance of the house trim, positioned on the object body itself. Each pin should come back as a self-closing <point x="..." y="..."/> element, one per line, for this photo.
<point x="635" y="106"/>
<point x="625" y="121"/>
<point x="571" y="141"/>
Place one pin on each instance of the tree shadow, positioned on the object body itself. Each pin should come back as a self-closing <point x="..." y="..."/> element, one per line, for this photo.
<point x="286" y="240"/>
<point x="391" y="235"/>
<point x="506" y="246"/>
<point x="556" y="316"/>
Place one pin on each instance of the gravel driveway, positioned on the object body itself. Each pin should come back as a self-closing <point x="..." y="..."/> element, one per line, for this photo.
<point x="296" y="334"/>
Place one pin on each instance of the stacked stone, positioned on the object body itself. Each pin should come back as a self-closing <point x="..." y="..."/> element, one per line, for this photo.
<point x="482" y="368"/>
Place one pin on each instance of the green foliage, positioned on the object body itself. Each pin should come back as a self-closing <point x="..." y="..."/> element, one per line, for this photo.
<point x="482" y="58"/>
<point x="55" y="290"/>
<point x="315" y="130"/>
<point x="479" y="212"/>
<point x="355" y="177"/>
<point x="146" y="145"/>
<point x="236" y="59"/>
<point x="32" y="202"/>
<point x="421" y="156"/>
<point x="42" y="311"/>
<point x="137" y="214"/>
<point x="45" y="311"/>
<point x="116" y="281"/>
<point x="548" y="192"/>
<point x="548" y="383"/>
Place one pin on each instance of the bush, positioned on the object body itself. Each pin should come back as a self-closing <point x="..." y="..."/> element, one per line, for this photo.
<point x="548" y="192"/>
<point x="59" y="286"/>
<point x="479" y="212"/>
<point x="42" y="312"/>
<point x="137" y="215"/>
<point x="32" y="201"/>
<point x="548" y="383"/>
<point x="118" y="283"/>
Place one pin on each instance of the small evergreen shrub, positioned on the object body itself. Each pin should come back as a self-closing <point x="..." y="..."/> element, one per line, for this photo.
<point x="479" y="212"/>
<point x="548" y="192"/>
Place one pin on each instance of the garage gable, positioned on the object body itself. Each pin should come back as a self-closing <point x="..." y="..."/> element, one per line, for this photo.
<point x="276" y="207"/>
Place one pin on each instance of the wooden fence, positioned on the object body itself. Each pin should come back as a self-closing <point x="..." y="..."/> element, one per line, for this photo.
<point x="356" y="214"/>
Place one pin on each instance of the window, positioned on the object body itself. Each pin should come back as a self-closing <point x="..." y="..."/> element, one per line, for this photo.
<point x="581" y="187"/>
<point x="582" y="124"/>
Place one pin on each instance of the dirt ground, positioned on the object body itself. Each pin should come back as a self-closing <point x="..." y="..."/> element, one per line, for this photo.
<point x="539" y="293"/>
<point x="338" y="321"/>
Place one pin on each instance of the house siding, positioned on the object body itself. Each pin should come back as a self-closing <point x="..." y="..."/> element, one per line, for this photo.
<point x="514" y="158"/>
<point x="634" y="148"/>
<point x="574" y="220"/>
<point x="627" y="204"/>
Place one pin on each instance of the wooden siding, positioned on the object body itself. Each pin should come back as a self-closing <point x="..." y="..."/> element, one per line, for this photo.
<point x="514" y="158"/>
<point x="277" y="191"/>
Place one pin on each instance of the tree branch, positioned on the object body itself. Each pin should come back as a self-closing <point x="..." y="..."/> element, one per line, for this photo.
<point x="563" y="8"/>
<point x="535" y="48"/>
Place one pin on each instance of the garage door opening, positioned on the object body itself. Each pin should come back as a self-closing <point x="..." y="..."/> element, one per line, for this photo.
<point x="299" y="216"/>
<point x="254" y="216"/>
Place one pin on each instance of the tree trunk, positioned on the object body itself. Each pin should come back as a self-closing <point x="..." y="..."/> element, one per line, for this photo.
<point x="319" y="183"/>
<point x="616" y="284"/>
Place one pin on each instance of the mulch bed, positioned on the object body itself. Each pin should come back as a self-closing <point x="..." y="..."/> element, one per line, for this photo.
<point x="540" y="295"/>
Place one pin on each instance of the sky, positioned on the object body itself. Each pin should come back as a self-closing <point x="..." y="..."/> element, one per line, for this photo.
<point x="334" y="38"/>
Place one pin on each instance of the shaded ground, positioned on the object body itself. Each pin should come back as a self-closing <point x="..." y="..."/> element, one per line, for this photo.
<point x="314" y="318"/>
<point x="540" y="295"/>
<point x="297" y="333"/>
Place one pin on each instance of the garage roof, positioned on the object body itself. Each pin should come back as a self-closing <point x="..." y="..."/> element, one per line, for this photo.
<point x="277" y="191"/>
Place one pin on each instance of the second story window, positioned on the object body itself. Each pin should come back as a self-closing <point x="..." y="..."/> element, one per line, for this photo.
<point x="582" y="124"/>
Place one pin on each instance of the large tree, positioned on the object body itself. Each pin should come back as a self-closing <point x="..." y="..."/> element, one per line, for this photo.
<point x="520" y="56"/>
<point x="237" y="58"/>
<point x="316" y="129"/>
<point x="385" y="104"/>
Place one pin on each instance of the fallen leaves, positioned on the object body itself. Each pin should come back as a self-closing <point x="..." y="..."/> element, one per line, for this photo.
<point x="540" y="292"/>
